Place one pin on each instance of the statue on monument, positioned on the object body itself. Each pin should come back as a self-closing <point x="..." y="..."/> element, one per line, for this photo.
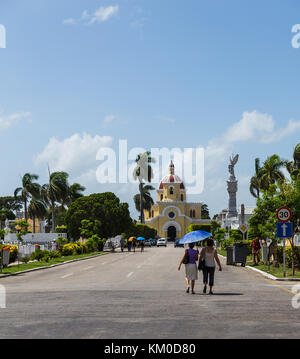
<point x="233" y="161"/>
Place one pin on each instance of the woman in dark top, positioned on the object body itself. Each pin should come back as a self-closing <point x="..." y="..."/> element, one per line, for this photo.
<point x="191" y="270"/>
<point x="142" y="244"/>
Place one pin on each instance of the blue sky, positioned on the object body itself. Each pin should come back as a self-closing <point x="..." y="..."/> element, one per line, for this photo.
<point x="157" y="73"/>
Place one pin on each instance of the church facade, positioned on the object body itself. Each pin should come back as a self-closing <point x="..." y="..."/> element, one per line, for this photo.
<point x="172" y="214"/>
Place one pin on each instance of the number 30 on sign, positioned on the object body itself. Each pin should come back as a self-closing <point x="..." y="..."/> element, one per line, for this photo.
<point x="284" y="214"/>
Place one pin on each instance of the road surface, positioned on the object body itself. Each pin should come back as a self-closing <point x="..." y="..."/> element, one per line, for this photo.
<point x="142" y="295"/>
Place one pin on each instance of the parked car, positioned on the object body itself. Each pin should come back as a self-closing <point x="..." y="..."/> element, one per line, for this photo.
<point x="161" y="242"/>
<point x="147" y="242"/>
<point x="177" y="244"/>
<point x="153" y="241"/>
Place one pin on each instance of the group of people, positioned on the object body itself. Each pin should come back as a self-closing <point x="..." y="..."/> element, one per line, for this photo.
<point x="206" y="259"/>
<point x="131" y="245"/>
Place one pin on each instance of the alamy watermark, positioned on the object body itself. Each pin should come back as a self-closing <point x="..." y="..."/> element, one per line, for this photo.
<point x="2" y="297"/>
<point x="119" y="166"/>
<point x="296" y="38"/>
<point x="2" y="37"/>
<point x="296" y="297"/>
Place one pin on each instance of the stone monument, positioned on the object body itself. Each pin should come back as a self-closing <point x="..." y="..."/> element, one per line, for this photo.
<point x="232" y="220"/>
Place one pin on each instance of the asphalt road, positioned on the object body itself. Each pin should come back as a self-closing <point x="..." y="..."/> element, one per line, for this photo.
<point x="142" y="295"/>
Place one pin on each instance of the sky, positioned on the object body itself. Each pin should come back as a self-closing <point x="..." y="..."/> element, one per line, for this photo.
<point x="77" y="76"/>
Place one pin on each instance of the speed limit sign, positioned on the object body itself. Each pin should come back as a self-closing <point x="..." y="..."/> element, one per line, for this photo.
<point x="284" y="214"/>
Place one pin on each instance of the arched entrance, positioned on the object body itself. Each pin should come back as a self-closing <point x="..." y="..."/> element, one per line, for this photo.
<point x="172" y="233"/>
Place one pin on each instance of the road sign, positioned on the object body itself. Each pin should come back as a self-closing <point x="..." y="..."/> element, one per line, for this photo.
<point x="283" y="214"/>
<point x="243" y="228"/>
<point x="284" y="230"/>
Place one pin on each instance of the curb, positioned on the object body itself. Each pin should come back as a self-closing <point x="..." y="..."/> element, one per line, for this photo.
<point x="51" y="266"/>
<point x="270" y="276"/>
<point x="267" y="275"/>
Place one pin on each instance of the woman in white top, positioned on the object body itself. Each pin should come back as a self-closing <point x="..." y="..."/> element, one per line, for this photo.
<point x="209" y="255"/>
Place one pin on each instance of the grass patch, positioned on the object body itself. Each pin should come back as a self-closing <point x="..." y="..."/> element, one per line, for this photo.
<point x="222" y="252"/>
<point x="276" y="272"/>
<point x="22" y="267"/>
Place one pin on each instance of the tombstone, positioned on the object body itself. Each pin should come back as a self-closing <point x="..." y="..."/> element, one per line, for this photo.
<point x="5" y="258"/>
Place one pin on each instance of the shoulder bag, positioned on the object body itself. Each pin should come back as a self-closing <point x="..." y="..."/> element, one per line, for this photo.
<point x="186" y="258"/>
<point x="201" y="264"/>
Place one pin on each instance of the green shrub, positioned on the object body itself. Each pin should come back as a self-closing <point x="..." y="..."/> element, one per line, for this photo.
<point x="54" y="254"/>
<point x="199" y="227"/>
<point x="46" y="257"/>
<point x="61" y="242"/>
<point x="236" y="235"/>
<point x="38" y="255"/>
<point x="74" y="248"/>
<point x="25" y="260"/>
<point x="140" y="230"/>
<point x="61" y="229"/>
<point x="288" y="256"/>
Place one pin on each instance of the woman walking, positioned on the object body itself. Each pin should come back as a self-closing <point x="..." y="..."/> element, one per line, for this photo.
<point x="210" y="256"/>
<point x="134" y="244"/>
<point x="191" y="271"/>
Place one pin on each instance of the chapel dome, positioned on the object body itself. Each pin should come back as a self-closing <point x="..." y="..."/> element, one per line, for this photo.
<point x="171" y="178"/>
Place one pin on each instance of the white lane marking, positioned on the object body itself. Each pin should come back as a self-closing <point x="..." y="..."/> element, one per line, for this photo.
<point x="67" y="275"/>
<point x="87" y="268"/>
<point x="129" y="274"/>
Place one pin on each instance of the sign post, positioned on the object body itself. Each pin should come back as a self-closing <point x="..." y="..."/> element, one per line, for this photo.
<point x="243" y="228"/>
<point x="284" y="229"/>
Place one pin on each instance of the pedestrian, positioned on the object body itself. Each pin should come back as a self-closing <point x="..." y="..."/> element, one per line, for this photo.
<point x="210" y="256"/>
<point x="122" y="244"/>
<point x="129" y="244"/>
<point x="142" y="244"/>
<point x="255" y="251"/>
<point x="191" y="272"/>
<point x="134" y="244"/>
<point x="273" y="253"/>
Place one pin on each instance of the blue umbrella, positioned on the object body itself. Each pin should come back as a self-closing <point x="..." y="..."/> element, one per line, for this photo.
<point x="140" y="239"/>
<point x="195" y="236"/>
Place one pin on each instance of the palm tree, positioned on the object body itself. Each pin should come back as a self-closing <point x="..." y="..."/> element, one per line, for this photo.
<point x="147" y="199"/>
<point x="292" y="168"/>
<point x="28" y="190"/>
<point x="55" y="191"/>
<point x="297" y="156"/>
<point x="271" y="172"/>
<point x="255" y="182"/>
<point x="37" y="209"/>
<point x="143" y="172"/>
<point x="74" y="192"/>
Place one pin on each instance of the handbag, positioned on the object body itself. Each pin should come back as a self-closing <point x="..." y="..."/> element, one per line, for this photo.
<point x="186" y="259"/>
<point x="201" y="264"/>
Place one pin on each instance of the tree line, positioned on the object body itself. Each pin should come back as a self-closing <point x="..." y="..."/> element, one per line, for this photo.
<point x="36" y="199"/>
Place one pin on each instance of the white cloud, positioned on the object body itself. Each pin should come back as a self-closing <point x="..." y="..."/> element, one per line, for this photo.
<point x="75" y="155"/>
<point x="69" y="21"/>
<point x="253" y="125"/>
<point x="166" y="119"/>
<point x="102" y="14"/>
<point x="8" y="121"/>
<point x="108" y="120"/>
<point x="258" y="127"/>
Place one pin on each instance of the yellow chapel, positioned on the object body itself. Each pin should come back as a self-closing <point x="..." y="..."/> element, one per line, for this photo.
<point x="172" y="214"/>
